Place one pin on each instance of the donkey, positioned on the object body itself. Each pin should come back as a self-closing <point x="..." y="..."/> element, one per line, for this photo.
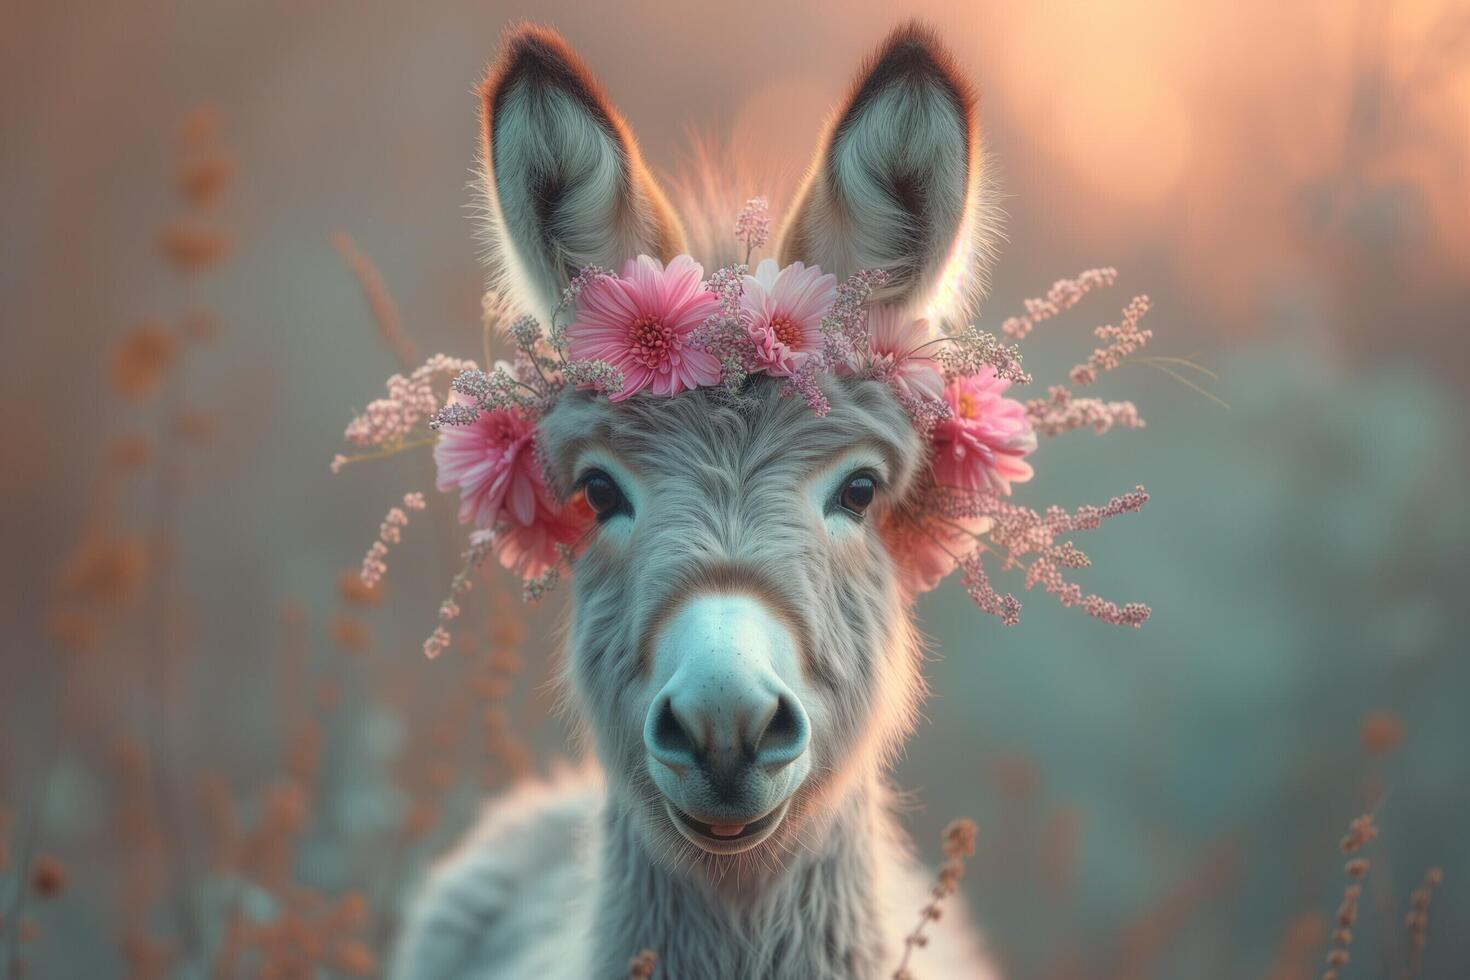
<point x="741" y="653"/>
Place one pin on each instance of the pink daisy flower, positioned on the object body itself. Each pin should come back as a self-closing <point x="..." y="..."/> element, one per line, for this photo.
<point x="640" y="323"/>
<point x="981" y="445"/>
<point x="901" y="347"/>
<point x="785" y="309"/>
<point x="492" y="462"/>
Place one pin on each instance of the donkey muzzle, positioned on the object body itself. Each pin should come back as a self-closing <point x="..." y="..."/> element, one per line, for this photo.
<point x="726" y="733"/>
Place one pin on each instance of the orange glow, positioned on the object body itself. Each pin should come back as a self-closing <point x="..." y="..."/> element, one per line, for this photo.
<point x="1103" y="85"/>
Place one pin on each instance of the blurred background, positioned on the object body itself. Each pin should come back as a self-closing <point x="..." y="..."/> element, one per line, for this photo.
<point x="219" y="756"/>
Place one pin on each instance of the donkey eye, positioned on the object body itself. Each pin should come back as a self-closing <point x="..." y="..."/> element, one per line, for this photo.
<point x="857" y="492"/>
<point x="602" y="495"/>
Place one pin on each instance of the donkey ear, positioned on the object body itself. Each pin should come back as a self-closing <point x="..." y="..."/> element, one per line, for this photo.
<point x="898" y="183"/>
<point x="564" y="183"/>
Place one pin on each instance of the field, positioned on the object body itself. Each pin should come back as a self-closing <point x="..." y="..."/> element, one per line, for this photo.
<point x="222" y="755"/>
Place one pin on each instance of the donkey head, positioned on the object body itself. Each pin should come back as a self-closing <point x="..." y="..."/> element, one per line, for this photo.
<point x="740" y="649"/>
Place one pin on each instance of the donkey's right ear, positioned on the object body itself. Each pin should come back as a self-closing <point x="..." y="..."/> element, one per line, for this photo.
<point x="564" y="183"/>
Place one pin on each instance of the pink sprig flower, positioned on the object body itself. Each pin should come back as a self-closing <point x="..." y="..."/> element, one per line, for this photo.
<point x="1062" y="296"/>
<point x="784" y="310"/>
<point x="390" y="531"/>
<point x="753" y="225"/>
<point x="411" y="400"/>
<point x="1118" y="342"/>
<point x="640" y="324"/>
<point x="984" y="442"/>
<point x="1004" y="606"/>
<point x="1061" y="411"/>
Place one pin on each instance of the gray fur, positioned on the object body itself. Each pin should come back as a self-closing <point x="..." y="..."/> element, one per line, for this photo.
<point x="730" y="493"/>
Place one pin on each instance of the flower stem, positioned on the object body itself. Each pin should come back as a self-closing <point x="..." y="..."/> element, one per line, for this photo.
<point x="385" y="452"/>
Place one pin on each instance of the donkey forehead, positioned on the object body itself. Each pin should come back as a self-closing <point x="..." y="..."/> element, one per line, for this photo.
<point x="711" y="437"/>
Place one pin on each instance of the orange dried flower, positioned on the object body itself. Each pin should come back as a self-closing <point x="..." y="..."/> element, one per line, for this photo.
<point x="193" y="247"/>
<point x="507" y="629"/>
<point x="492" y="688"/>
<point x="1381" y="732"/>
<point x="351" y="634"/>
<point x="421" y="818"/>
<point x="1417" y="921"/>
<point x="515" y="756"/>
<point x="73" y="629"/>
<point x="497" y="719"/>
<point x="352" y="911"/>
<point x="959" y="843"/>
<point x="195" y="425"/>
<point x="442" y="775"/>
<point x="130" y="452"/>
<point x="355" y="592"/>
<point x="355" y="959"/>
<point x="286" y="807"/>
<point x="107" y="568"/>
<point x="327" y="696"/>
<point x="202" y="180"/>
<point x="959" y="838"/>
<point x="379" y="299"/>
<point x="48" y="877"/>
<point x="507" y="660"/>
<point x="197" y="327"/>
<point x="1360" y="832"/>
<point x="141" y="359"/>
<point x="200" y="128"/>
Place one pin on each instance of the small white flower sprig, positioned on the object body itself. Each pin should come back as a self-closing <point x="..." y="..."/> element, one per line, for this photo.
<point x="540" y="371"/>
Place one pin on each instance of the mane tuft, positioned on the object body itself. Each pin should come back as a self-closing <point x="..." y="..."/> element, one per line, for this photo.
<point x="710" y="190"/>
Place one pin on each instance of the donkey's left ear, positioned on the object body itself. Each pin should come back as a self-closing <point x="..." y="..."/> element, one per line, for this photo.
<point x="564" y="183"/>
<point x="899" y="183"/>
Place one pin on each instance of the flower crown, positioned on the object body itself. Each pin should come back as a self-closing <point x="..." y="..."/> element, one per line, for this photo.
<point x="660" y="330"/>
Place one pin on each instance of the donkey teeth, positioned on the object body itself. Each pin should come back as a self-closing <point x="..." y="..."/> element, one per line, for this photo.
<point x="726" y="829"/>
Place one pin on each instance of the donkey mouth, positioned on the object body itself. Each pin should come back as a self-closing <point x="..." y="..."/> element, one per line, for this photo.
<point x="727" y="838"/>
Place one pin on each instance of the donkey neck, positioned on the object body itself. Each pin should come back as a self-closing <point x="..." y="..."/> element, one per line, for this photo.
<point x="816" y="917"/>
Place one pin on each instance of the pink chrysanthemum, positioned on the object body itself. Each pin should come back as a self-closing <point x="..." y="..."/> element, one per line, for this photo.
<point x="640" y="323"/>
<point x="785" y="309"/>
<point x="901" y="349"/>
<point x="981" y="445"/>
<point x="492" y="462"/>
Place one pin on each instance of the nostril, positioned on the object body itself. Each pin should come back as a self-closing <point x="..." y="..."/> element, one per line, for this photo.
<point x="783" y="726"/>
<point x="666" y="736"/>
<point x="786" y="734"/>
